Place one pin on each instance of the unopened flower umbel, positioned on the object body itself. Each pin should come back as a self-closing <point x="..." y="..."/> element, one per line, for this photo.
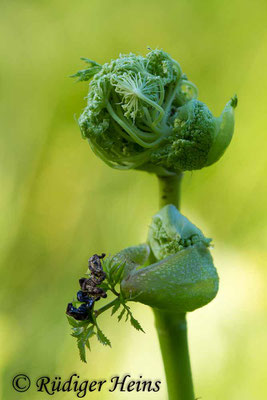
<point x="143" y="112"/>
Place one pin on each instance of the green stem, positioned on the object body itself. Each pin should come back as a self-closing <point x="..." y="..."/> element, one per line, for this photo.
<point x="172" y="327"/>
<point x="169" y="190"/>
<point x="105" y="307"/>
<point x="172" y="334"/>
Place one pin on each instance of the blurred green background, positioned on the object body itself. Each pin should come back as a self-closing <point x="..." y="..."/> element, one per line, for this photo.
<point x="60" y="204"/>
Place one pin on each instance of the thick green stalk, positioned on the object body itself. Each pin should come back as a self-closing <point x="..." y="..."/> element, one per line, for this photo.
<point x="172" y="327"/>
<point x="169" y="190"/>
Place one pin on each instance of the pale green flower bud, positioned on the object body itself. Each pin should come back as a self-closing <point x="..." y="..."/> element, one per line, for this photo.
<point x="185" y="278"/>
<point x="171" y="232"/>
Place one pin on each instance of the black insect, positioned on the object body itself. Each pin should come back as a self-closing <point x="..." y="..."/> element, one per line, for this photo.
<point x="95" y="267"/>
<point x="81" y="313"/>
<point x="90" y="292"/>
<point x="84" y="298"/>
<point x="89" y="286"/>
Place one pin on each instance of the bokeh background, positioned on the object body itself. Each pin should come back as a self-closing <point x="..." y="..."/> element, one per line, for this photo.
<point x="60" y="204"/>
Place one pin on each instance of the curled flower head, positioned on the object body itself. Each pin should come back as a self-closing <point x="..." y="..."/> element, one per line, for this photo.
<point x="143" y="113"/>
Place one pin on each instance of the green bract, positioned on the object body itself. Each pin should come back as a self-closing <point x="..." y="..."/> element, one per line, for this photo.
<point x="143" y="112"/>
<point x="181" y="282"/>
<point x="184" y="278"/>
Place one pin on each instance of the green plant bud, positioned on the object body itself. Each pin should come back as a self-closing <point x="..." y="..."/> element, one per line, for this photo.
<point x="143" y="113"/>
<point x="186" y="148"/>
<point x="223" y="133"/>
<point x="171" y="232"/>
<point x="184" y="278"/>
<point x="181" y="282"/>
<point x="198" y="139"/>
